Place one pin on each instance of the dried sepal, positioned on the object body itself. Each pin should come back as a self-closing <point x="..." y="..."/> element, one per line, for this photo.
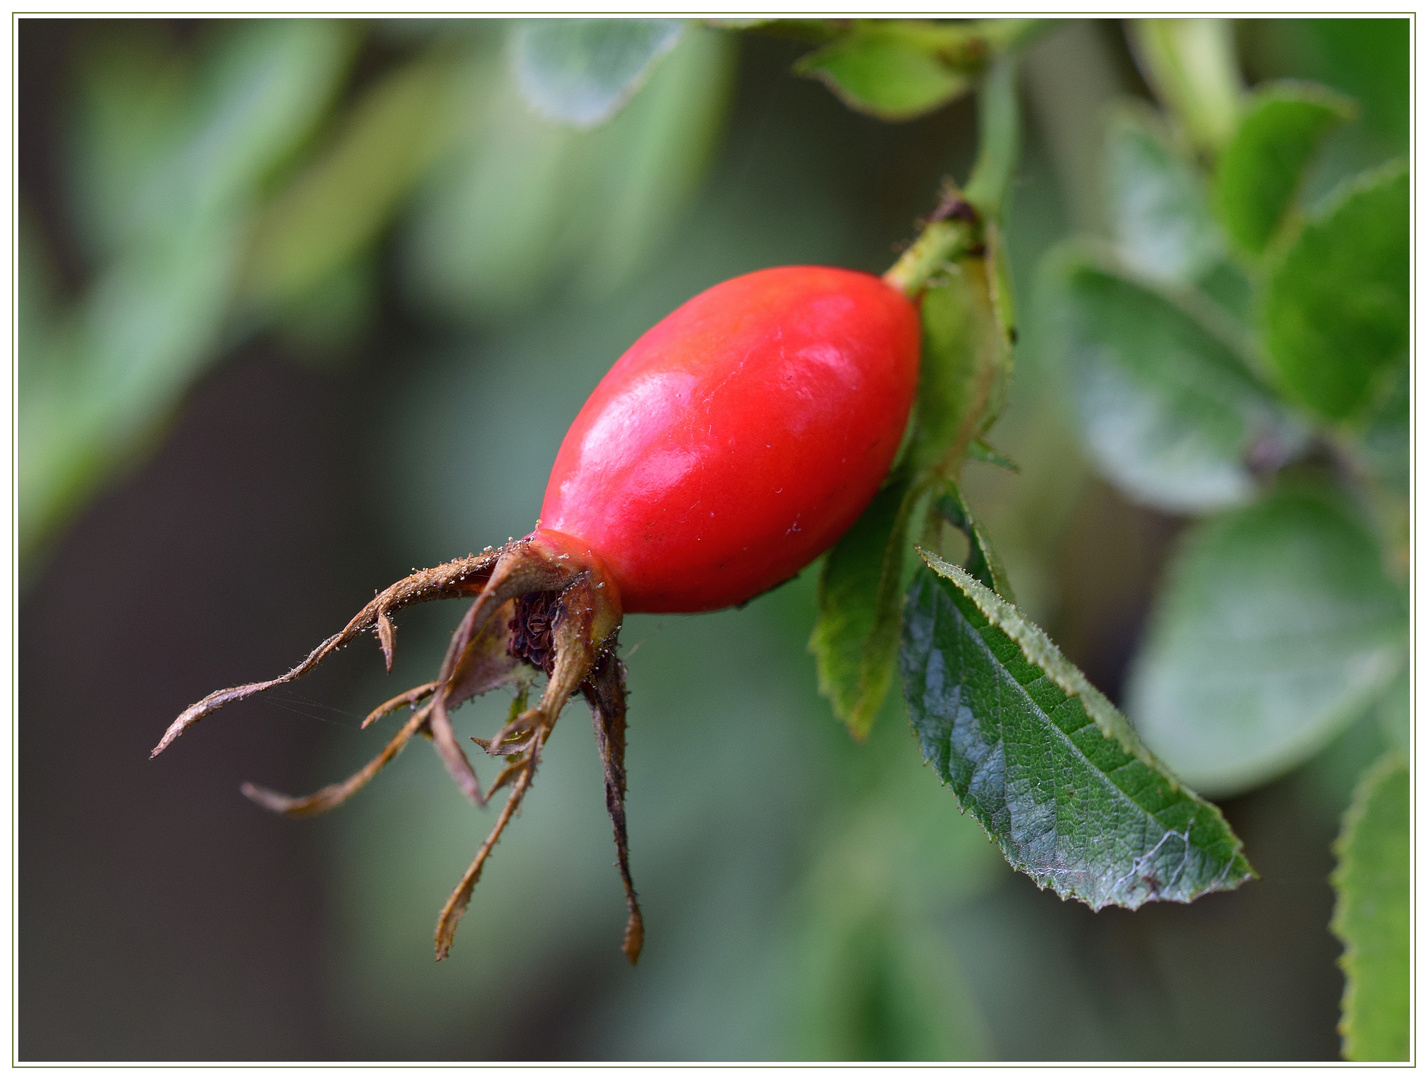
<point x="605" y="693"/>
<point x="337" y="794"/>
<point x="545" y="602"/>
<point x="460" y="898"/>
<point x="406" y="697"/>
<point x="387" y="638"/>
<point x="460" y="577"/>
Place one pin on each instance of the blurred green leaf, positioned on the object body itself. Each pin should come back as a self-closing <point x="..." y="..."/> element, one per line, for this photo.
<point x="1395" y="709"/>
<point x="1370" y="60"/>
<point x="859" y="611"/>
<point x="1190" y="63"/>
<point x="131" y="106"/>
<point x="877" y="979"/>
<point x="644" y="175"/>
<point x="155" y="311"/>
<point x="1044" y="762"/>
<point x="898" y="69"/>
<point x="1335" y="312"/>
<point x="1383" y="442"/>
<point x="883" y="69"/>
<point x="526" y="204"/>
<point x="1161" y="222"/>
<point x="1168" y="408"/>
<point x="1276" y="627"/>
<point x="1371" y="915"/>
<point x="583" y="71"/>
<point x="257" y="96"/>
<point x="815" y="31"/>
<point x="1229" y="287"/>
<point x="1263" y="167"/>
<point x="966" y="363"/>
<point x="336" y="207"/>
<point x="982" y="562"/>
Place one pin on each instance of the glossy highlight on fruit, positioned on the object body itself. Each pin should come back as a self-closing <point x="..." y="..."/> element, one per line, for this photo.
<point x="740" y="437"/>
<point x="734" y="442"/>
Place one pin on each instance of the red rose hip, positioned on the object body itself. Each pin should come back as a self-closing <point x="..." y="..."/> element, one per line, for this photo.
<point x="735" y="441"/>
<point x="740" y="437"/>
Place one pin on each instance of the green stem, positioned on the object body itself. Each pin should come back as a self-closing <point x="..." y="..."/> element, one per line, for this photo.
<point x="958" y="228"/>
<point x="999" y="132"/>
<point x="939" y="243"/>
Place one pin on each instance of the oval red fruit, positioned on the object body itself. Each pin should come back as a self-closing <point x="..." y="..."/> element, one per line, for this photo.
<point x="739" y="437"/>
<point x="734" y="442"/>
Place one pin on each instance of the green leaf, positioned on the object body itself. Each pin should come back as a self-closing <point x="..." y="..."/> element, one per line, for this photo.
<point x="1168" y="409"/>
<point x="999" y="284"/>
<point x="1276" y="627"/>
<point x="982" y="561"/>
<point x="966" y="363"/>
<point x="1395" y="709"/>
<point x="859" y="616"/>
<point x="259" y="95"/>
<point x="649" y="167"/>
<point x="1383" y="443"/>
<point x="1044" y="762"/>
<point x="882" y="69"/>
<point x="583" y="71"/>
<point x="1371" y="915"/>
<point x="1335" y="313"/>
<point x="1159" y="216"/>
<point x="1262" y="168"/>
<point x="1371" y="60"/>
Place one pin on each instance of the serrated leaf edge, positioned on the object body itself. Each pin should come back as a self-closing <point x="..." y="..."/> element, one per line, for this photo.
<point x="1389" y="763"/>
<point x="1039" y="651"/>
<point x="1108" y="720"/>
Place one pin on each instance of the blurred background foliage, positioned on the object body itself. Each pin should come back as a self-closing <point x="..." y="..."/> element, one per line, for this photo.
<point x="305" y="304"/>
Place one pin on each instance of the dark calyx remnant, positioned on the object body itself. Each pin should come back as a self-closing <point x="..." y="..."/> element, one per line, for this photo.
<point x="533" y="629"/>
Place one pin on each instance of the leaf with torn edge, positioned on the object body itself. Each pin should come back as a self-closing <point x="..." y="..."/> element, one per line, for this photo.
<point x="1054" y="774"/>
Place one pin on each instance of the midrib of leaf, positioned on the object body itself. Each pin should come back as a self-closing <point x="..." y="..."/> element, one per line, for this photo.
<point x="1055" y="713"/>
<point x="1036" y="650"/>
